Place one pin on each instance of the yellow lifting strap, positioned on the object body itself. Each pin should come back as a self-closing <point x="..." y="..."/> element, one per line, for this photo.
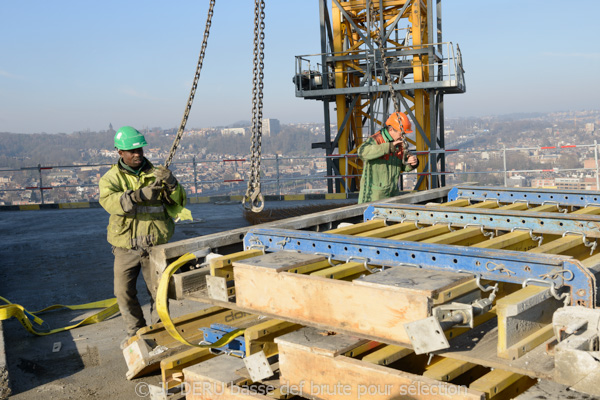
<point x="9" y="310"/>
<point x="163" y="310"/>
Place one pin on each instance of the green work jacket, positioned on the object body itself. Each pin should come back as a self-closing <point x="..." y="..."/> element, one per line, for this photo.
<point x="150" y="223"/>
<point x="381" y="170"/>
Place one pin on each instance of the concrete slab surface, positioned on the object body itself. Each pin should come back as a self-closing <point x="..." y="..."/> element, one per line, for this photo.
<point x="62" y="257"/>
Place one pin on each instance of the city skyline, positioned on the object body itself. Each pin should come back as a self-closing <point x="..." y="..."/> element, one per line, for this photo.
<point x="76" y="66"/>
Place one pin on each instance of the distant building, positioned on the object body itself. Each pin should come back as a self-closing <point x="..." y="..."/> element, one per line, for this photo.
<point x="233" y="131"/>
<point x="547" y="183"/>
<point x="570" y="183"/>
<point x="590" y="128"/>
<point x="516" y="181"/>
<point x="270" y="126"/>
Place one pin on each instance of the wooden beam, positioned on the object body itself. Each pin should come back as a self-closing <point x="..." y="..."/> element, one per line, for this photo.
<point x="375" y="306"/>
<point x="544" y="208"/>
<point x="315" y="364"/>
<point x="485" y="204"/>
<point x="520" y="239"/>
<point x="456" y="203"/>
<point x="387" y="355"/>
<point x="390" y="230"/>
<point x="227" y="260"/>
<point x="262" y="336"/>
<point x="423" y="233"/>
<point x="447" y="369"/>
<point x="496" y="384"/>
<point x="525" y="320"/>
<point x="519" y="206"/>
<point x="587" y="211"/>
<point x="341" y="271"/>
<point x="460" y="235"/>
<point x="559" y="246"/>
<point x="359" y="228"/>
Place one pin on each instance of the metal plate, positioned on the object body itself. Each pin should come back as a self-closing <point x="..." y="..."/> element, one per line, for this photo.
<point x="426" y="335"/>
<point x="258" y="366"/>
<point x="216" y="288"/>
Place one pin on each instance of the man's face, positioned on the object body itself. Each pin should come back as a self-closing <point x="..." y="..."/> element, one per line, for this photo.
<point x="396" y="134"/>
<point x="132" y="158"/>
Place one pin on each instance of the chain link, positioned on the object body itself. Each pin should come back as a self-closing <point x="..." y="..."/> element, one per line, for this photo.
<point x="253" y="199"/>
<point x="194" y="86"/>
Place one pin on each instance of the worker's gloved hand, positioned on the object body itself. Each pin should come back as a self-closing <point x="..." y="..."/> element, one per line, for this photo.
<point x="165" y="175"/>
<point x="146" y="194"/>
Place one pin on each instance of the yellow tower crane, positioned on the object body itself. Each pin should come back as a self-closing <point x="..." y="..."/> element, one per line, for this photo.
<point x="381" y="56"/>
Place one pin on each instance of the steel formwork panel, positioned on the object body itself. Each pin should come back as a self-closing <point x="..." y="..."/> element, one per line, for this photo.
<point x="534" y="196"/>
<point x="496" y="265"/>
<point x="505" y="220"/>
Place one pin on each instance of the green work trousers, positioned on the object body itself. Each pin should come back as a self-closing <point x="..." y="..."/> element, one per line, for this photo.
<point x="128" y="263"/>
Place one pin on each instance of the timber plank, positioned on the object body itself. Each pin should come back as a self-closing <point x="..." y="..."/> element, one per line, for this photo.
<point x="316" y="370"/>
<point x="374" y="306"/>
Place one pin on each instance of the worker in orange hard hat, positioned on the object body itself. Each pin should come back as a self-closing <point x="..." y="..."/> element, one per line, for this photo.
<point x="385" y="156"/>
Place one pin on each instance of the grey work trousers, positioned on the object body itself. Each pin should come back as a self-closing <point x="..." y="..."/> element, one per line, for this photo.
<point x="128" y="263"/>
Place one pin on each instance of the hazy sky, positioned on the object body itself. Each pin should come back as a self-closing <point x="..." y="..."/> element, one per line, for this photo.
<point x="74" y="65"/>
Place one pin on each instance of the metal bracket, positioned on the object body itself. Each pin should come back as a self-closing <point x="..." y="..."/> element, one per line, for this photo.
<point x="447" y="311"/>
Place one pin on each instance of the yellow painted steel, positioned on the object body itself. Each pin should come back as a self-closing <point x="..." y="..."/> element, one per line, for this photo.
<point x="9" y="310"/>
<point x="447" y="369"/>
<point x="387" y="355"/>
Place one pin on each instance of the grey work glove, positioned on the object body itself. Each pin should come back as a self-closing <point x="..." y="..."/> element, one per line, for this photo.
<point x="146" y="194"/>
<point x="165" y="175"/>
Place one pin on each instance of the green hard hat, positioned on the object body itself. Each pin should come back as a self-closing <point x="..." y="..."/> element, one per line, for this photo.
<point x="128" y="138"/>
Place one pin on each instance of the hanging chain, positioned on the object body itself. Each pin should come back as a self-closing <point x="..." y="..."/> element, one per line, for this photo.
<point x="253" y="199"/>
<point x="194" y="86"/>
<point x="388" y="77"/>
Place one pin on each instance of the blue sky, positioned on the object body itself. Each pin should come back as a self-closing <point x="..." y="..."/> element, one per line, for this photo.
<point x="77" y="65"/>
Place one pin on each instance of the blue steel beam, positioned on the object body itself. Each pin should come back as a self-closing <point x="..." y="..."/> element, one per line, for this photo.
<point x="506" y="220"/>
<point x="492" y="264"/>
<point x="534" y="196"/>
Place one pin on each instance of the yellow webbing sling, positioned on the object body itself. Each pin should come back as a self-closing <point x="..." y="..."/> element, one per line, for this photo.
<point x="163" y="310"/>
<point x="10" y="310"/>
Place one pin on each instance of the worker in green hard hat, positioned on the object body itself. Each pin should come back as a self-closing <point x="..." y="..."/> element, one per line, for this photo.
<point x="385" y="156"/>
<point x="143" y="201"/>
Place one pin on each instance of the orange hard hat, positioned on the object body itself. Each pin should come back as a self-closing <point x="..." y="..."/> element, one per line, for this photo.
<point x="398" y="118"/>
